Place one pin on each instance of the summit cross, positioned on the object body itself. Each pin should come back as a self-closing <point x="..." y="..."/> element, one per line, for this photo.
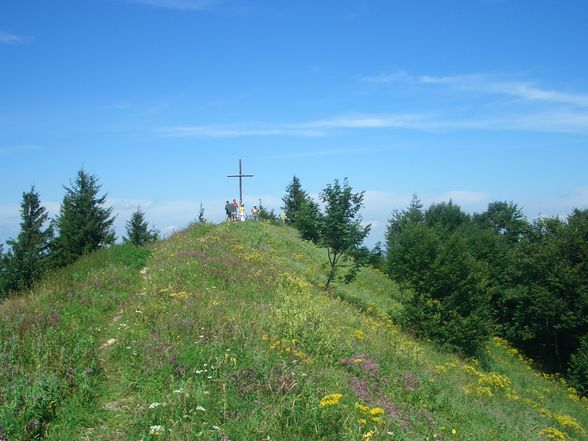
<point x="240" y="176"/>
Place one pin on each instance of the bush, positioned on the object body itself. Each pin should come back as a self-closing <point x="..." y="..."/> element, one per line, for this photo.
<point x="578" y="367"/>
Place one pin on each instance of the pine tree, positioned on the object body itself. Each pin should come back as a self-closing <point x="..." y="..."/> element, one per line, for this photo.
<point x="293" y="200"/>
<point x="3" y="274"/>
<point x="84" y="223"/>
<point x="138" y="232"/>
<point x="27" y="259"/>
<point x="309" y="220"/>
<point x="201" y="218"/>
<point x="265" y="214"/>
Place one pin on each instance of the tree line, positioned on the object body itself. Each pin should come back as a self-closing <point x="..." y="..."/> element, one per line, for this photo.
<point x="84" y="224"/>
<point x="467" y="277"/>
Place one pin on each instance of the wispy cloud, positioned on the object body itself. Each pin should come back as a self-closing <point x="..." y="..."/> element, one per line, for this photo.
<point x="181" y="5"/>
<point x="313" y="128"/>
<point x="487" y="84"/>
<point x="10" y="38"/>
<point x="19" y="148"/>
<point x="543" y="120"/>
<point x="320" y="153"/>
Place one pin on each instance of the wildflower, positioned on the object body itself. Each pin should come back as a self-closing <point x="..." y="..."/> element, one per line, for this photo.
<point x="154" y="405"/>
<point x="368" y="435"/>
<point x="359" y="335"/>
<point x="362" y="407"/>
<point x="377" y="411"/>
<point x="330" y="400"/>
<point x="453" y="431"/>
<point x="156" y="430"/>
<point x="553" y="433"/>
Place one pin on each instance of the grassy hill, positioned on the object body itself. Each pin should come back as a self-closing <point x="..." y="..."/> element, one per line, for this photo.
<point x="224" y="333"/>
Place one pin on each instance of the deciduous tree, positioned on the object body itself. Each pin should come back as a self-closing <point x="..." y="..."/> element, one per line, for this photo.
<point x="341" y="231"/>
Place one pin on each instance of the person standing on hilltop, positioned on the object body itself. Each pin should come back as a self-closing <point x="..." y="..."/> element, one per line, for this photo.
<point x="228" y="210"/>
<point x="255" y="213"/>
<point x="234" y="209"/>
<point x="242" y="212"/>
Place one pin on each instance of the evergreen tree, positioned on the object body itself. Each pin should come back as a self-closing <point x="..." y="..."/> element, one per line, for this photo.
<point x="265" y="214"/>
<point x="294" y="199"/>
<point x="200" y="214"/>
<point x="341" y="230"/>
<point x="27" y="259"/>
<point x="3" y="274"/>
<point x="309" y="220"/>
<point x="84" y="223"/>
<point x="138" y="232"/>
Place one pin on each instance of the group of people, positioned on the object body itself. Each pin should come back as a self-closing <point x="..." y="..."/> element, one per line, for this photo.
<point x="236" y="212"/>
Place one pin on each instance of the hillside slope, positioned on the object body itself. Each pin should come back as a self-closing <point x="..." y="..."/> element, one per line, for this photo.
<point x="223" y="333"/>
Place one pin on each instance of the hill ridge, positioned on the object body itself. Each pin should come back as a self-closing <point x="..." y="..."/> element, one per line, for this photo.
<point x="223" y="333"/>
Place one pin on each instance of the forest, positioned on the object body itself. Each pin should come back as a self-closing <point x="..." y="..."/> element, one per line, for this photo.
<point x="467" y="277"/>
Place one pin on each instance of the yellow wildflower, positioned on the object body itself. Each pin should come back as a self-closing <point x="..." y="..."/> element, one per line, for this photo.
<point x="359" y="334"/>
<point x="330" y="400"/>
<point x="377" y="411"/>
<point x="362" y="407"/>
<point x="553" y="433"/>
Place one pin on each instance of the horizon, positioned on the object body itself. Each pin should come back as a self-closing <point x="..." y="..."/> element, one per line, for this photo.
<point x="477" y="101"/>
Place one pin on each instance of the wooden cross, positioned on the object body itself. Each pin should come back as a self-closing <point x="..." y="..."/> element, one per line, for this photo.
<point x="240" y="176"/>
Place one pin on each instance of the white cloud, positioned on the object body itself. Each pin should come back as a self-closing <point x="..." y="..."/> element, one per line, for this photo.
<point x="462" y="197"/>
<point x="9" y="38"/>
<point x="482" y="83"/>
<point x="548" y="121"/>
<point x="181" y="5"/>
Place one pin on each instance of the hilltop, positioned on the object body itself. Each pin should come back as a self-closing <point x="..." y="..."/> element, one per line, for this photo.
<point x="223" y="332"/>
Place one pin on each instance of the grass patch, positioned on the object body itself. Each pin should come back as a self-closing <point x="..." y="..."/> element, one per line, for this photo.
<point x="224" y="333"/>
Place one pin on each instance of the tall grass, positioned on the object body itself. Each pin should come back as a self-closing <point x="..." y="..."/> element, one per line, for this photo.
<point x="224" y="333"/>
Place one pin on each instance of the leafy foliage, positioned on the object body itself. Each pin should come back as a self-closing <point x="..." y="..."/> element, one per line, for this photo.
<point x="341" y="231"/>
<point x="531" y="280"/>
<point x="138" y="232"/>
<point x="84" y="223"/>
<point x="578" y="367"/>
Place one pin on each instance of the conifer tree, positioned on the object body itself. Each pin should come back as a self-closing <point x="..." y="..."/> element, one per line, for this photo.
<point x="201" y="218"/>
<point x="265" y="214"/>
<point x="138" y="232"/>
<point x="294" y="199"/>
<point x="27" y="259"/>
<point x="84" y="223"/>
<point x="3" y="274"/>
<point x="308" y="220"/>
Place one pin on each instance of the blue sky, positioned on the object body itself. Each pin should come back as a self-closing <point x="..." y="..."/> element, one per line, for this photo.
<point x="477" y="101"/>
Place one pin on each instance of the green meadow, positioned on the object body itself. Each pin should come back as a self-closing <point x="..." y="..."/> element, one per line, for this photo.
<point x="224" y="332"/>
